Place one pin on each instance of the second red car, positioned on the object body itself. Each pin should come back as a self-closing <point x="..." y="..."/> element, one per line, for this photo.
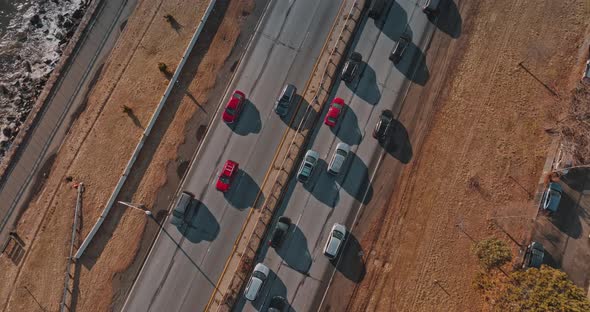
<point x="334" y="112"/>
<point x="234" y="107"/>
<point x="227" y="175"/>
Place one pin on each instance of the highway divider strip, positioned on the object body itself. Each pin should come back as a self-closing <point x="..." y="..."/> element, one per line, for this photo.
<point x="243" y="258"/>
<point x="146" y="133"/>
<point x="240" y="236"/>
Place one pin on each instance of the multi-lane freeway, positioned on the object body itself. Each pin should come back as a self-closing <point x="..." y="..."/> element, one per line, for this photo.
<point x="299" y="270"/>
<point x="283" y="50"/>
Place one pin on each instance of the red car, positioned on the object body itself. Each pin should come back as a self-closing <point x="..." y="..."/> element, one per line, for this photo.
<point x="334" y="112"/>
<point x="227" y="175"/>
<point x="234" y="107"/>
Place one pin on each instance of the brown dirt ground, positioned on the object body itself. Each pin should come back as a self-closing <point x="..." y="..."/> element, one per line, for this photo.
<point x="489" y="125"/>
<point x="99" y="145"/>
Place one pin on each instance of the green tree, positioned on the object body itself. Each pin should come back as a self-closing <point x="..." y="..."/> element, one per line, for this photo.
<point x="492" y="253"/>
<point x="545" y="289"/>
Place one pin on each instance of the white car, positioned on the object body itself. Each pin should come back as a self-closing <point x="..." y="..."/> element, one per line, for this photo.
<point x="338" y="159"/>
<point x="257" y="279"/>
<point x="335" y="241"/>
<point x="307" y="164"/>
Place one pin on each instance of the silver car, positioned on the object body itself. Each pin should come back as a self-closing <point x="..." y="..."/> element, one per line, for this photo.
<point x="309" y="162"/>
<point x="257" y="279"/>
<point x="335" y="241"/>
<point x="338" y="159"/>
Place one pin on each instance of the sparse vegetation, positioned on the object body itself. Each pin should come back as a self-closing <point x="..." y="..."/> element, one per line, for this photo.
<point x="575" y="127"/>
<point x="545" y="289"/>
<point x="127" y="110"/>
<point x="163" y="67"/>
<point x="492" y="253"/>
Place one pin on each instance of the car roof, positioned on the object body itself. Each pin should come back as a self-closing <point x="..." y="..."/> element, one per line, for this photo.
<point x="555" y="186"/>
<point x="253" y="288"/>
<point x="229" y="167"/>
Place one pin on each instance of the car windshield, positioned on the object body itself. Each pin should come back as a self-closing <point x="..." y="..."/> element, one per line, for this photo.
<point x="337" y="234"/>
<point x="258" y="275"/>
<point x="337" y="105"/>
<point x="310" y="160"/>
<point x="332" y="119"/>
<point x="238" y="96"/>
<point x="230" y="110"/>
<point x="224" y="179"/>
<point x="341" y="153"/>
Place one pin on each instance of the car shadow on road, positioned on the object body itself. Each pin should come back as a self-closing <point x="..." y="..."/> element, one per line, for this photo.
<point x="249" y="121"/>
<point x="365" y="86"/>
<point x="355" y="180"/>
<point x="321" y="185"/>
<point x="347" y="129"/>
<point x="203" y="225"/>
<point x="413" y="65"/>
<point x="351" y="263"/>
<point x="567" y="217"/>
<point x="398" y="143"/>
<point x="448" y="19"/>
<point x="244" y="192"/>
<point x="295" y="252"/>
<point x="296" y="113"/>
<point x="396" y="22"/>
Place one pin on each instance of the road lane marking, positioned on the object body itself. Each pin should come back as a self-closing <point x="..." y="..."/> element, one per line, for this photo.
<point x="278" y="149"/>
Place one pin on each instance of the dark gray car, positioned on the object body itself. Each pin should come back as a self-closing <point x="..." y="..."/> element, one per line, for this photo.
<point x="400" y="47"/>
<point x="376" y="7"/>
<point x="285" y="100"/>
<point x="352" y="67"/>
<point x="183" y="211"/>
<point x="534" y="255"/>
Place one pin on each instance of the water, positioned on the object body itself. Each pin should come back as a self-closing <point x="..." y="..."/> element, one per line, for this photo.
<point x="33" y="35"/>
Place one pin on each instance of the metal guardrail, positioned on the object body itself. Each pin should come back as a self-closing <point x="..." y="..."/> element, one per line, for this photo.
<point x="146" y="133"/>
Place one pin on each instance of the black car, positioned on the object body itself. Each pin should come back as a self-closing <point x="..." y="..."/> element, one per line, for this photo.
<point x="280" y="232"/>
<point x="534" y="255"/>
<point x="351" y="67"/>
<point x="399" y="49"/>
<point x="381" y="130"/>
<point x="376" y="8"/>
<point x="277" y="304"/>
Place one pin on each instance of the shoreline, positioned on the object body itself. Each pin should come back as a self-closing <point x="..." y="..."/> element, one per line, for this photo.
<point x="30" y="51"/>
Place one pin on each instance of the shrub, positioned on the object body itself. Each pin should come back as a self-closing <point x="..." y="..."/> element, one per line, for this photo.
<point x="492" y="253"/>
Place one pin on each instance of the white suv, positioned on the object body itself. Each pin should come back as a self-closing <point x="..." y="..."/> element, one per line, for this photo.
<point x="335" y="240"/>
<point x="307" y="164"/>
<point x="257" y="279"/>
<point x="338" y="159"/>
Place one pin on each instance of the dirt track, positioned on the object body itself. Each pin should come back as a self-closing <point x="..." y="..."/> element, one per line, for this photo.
<point x="100" y="143"/>
<point x="475" y="168"/>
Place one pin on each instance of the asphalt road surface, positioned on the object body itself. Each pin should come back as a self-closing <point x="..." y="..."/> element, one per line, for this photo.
<point x="284" y="50"/>
<point x="299" y="270"/>
<point x="47" y="135"/>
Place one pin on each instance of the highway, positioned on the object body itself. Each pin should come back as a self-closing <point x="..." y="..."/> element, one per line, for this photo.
<point x="299" y="270"/>
<point x="284" y="49"/>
